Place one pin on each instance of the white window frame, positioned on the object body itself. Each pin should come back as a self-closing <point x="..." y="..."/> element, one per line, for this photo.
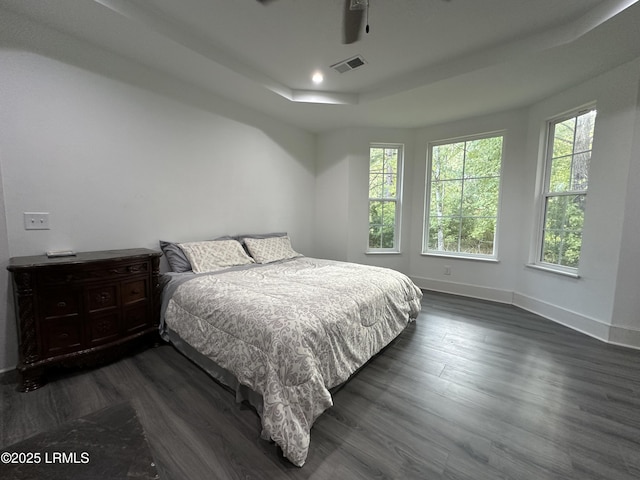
<point x="397" y="200"/>
<point x="547" y="160"/>
<point x="427" y="201"/>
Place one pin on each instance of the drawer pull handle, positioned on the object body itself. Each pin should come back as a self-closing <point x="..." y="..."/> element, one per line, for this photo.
<point x="135" y="291"/>
<point x="62" y="304"/>
<point x="134" y="268"/>
<point x="103" y="297"/>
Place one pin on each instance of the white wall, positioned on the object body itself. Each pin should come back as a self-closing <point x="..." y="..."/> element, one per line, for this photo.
<point x="332" y="210"/>
<point x="626" y="307"/>
<point x="587" y="303"/>
<point x="603" y="302"/>
<point x="342" y="204"/>
<point x="8" y="338"/>
<point x="117" y="166"/>
<point x="342" y="195"/>
<point x="121" y="166"/>
<point x="483" y="279"/>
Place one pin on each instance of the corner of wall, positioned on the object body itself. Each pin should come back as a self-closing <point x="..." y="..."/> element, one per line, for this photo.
<point x="625" y="317"/>
<point x="8" y="334"/>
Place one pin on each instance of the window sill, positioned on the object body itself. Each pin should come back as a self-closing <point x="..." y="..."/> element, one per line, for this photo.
<point x="553" y="270"/>
<point x="461" y="257"/>
<point x="390" y="252"/>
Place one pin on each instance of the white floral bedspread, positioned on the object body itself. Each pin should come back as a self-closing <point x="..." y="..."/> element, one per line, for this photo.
<point x="292" y="330"/>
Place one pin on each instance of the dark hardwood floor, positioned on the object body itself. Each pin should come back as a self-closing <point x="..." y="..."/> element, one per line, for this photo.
<point x="473" y="390"/>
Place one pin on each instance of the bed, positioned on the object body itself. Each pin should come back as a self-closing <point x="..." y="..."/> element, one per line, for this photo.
<point x="279" y="328"/>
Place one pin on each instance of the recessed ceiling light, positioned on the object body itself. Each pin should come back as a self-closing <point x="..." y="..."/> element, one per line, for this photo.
<point x="317" y="78"/>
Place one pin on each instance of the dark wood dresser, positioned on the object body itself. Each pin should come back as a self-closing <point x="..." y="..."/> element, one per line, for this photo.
<point x="83" y="310"/>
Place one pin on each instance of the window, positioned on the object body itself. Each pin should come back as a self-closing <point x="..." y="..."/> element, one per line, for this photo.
<point x="568" y="154"/>
<point x="463" y="194"/>
<point x="385" y="192"/>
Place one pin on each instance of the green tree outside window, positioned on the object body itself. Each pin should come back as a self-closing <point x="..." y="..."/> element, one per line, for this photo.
<point x="464" y="195"/>
<point x="567" y="180"/>
<point x="385" y="164"/>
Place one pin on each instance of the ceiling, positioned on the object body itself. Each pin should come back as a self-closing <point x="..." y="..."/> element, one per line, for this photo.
<point x="427" y="61"/>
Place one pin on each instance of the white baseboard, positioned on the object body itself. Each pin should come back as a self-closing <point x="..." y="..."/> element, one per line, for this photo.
<point x="589" y="326"/>
<point x="7" y="369"/>
<point x="465" y="290"/>
<point x="624" y="337"/>
<point x="576" y="321"/>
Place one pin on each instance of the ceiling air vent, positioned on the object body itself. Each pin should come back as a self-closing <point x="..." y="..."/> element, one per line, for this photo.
<point x="349" y="64"/>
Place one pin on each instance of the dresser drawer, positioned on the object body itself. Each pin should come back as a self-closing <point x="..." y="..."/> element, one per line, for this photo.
<point x="60" y="276"/>
<point x="136" y="318"/>
<point x="134" y="291"/>
<point x="103" y="328"/>
<point x="75" y="274"/>
<point x="60" y="303"/>
<point x="122" y="270"/>
<point x="102" y="297"/>
<point x="61" y="335"/>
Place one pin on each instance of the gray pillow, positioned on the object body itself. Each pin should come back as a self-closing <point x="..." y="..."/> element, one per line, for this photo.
<point x="178" y="261"/>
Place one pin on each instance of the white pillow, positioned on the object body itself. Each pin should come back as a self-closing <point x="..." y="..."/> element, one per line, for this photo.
<point x="215" y="255"/>
<point x="271" y="249"/>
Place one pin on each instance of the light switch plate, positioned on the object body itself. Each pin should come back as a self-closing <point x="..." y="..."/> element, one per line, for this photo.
<point x="36" y="220"/>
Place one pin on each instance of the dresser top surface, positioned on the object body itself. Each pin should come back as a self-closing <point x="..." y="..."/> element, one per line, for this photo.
<point x="39" y="261"/>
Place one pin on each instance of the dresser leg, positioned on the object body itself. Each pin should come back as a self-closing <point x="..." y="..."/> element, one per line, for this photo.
<point x="156" y="340"/>
<point x="31" y="380"/>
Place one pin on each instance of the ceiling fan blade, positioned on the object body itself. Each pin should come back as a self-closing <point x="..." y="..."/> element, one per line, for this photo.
<point x="352" y="23"/>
